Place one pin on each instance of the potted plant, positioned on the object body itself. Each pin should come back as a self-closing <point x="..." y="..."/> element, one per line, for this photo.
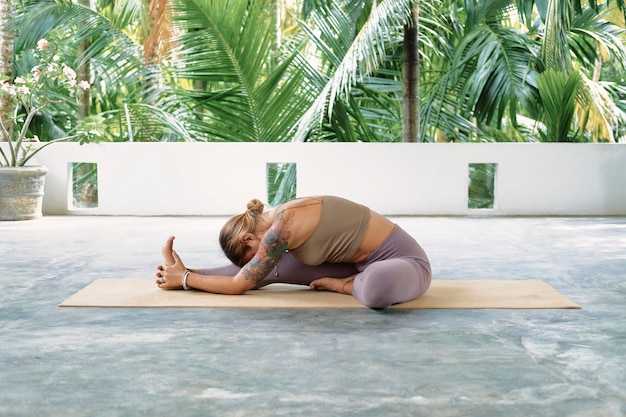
<point x="49" y="82"/>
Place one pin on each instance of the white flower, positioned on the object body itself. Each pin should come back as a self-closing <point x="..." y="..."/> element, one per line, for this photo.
<point x="36" y="73"/>
<point x="42" y="44"/>
<point x="69" y="73"/>
<point x="33" y="92"/>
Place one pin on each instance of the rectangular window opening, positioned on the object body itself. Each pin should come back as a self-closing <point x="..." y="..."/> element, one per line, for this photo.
<point x="84" y="185"/>
<point x="481" y="191"/>
<point x="281" y="182"/>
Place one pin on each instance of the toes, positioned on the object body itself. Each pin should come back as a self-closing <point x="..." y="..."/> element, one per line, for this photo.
<point x="166" y="251"/>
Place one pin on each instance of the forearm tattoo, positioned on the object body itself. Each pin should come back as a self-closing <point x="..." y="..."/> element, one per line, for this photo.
<point x="274" y="244"/>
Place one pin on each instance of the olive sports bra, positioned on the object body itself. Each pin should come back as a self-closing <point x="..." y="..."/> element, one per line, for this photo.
<point x="338" y="235"/>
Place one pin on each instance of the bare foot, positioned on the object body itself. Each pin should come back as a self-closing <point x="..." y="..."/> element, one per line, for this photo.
<point x="166" y="251"/>
<point x="340" y="285"/>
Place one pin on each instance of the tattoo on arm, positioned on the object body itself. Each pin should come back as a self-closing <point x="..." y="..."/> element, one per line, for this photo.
<point x="272" y="248"/>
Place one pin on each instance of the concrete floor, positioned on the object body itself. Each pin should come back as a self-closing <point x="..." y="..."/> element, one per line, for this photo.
<point x="228" y="362"/>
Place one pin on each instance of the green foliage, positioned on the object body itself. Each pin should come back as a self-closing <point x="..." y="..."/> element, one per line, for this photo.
<point x="558" y="93"/>
<point x="49" y="85"/>
<point x="357" y="83"/>
<point x="226" y="47"/>
<point x="481" y="190"/>
<point x="281" y="183"/>
<point x="336" y="77"/>
<point x="84" y="184"/>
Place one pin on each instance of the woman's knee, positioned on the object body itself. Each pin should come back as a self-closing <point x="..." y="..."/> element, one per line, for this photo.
<point x="371" y="295"/>
<point x="387" y="282"/>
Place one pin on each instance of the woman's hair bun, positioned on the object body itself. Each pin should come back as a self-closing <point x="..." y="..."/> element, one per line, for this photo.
<point x="255" y="207"/>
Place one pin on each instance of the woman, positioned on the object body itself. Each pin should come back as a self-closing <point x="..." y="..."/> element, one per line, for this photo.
<point x="326" y="242"/>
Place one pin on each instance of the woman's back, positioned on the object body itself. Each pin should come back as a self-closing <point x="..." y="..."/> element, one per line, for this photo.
<point x="340" y="228"/>
<point x="332" y="229"/>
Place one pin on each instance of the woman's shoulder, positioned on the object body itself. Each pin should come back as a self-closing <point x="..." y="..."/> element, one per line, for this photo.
<point x="301" y="202"/>
<point x="300" y="217"/>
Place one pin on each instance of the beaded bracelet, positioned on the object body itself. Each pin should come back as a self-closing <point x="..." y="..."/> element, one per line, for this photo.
<point x="185" y="287"/>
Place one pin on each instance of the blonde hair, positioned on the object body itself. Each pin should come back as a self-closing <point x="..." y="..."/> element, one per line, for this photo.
<point x="236" y="227"/>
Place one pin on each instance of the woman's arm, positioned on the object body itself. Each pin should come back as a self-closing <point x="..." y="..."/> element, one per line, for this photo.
<point x="170" y="277"/>
<point x="289" y="270"/>
<point x="218" y="284"/>
<point x="272" y="247"/>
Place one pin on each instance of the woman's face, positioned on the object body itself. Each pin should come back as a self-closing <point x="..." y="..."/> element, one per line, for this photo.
<point x="252" y="245"/>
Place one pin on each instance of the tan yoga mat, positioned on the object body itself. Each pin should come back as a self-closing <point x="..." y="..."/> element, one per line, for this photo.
<point x="450" y="294"/>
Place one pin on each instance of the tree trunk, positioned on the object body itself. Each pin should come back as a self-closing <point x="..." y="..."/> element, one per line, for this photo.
<point x="84" y="72"/>
<point x="6" y="60"/>
<point x="410" y="84"/>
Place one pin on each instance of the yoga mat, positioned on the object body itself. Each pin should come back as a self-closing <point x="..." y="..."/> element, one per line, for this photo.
<point x="450" y="294"/>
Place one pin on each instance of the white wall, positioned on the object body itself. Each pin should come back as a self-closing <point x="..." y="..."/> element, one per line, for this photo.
<point x="393" y="179"/>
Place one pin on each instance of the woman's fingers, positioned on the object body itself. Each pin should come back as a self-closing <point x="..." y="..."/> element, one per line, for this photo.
<point x="169" y="277"/>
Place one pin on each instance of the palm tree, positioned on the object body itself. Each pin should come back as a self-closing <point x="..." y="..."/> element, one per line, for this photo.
<point x="591" y="41"/>
<point x="226" y="79"/>
<point x="123" y="102"/>
<point x="489" y="79"/>
<point x="410" y="77"/>
<point x="228" y="46"/>
<point x="358" y="81"/>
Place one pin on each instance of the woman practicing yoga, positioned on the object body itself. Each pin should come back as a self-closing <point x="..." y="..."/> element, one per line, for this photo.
<point x="326" y="242"/>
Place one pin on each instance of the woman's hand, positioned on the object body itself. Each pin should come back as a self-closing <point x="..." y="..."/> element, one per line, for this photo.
<point x="170" y="277"/>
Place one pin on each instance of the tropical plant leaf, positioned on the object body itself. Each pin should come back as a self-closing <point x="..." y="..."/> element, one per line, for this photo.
<point x="593" y="39"/>
<point x="118" y="57"/>
<point x="500" y="76"/>
<point x="558" y="93"/>
<point x="142" y="123"/>
<point x="226" y="46"/>
<point x="350" y="58"/>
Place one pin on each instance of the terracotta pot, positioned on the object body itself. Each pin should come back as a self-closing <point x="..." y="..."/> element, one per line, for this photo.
<point x="21" y="192"/>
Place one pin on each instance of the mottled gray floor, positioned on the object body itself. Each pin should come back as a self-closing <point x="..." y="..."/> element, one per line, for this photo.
<point x="229" y="362"/>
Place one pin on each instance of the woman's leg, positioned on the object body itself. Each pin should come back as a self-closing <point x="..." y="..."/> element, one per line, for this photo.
<point x="328" y="283"/>
<point x="289" y="271"/>
<point x="228" y="270"/>
<point x="398" y="271"/>
<point x="390" y="281"/>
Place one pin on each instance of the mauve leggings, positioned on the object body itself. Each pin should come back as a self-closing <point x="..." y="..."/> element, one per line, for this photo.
<point x="398" y="271"/>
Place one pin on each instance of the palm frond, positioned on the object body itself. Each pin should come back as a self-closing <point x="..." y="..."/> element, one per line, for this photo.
<point x="143" y="123"/>
<point x="600" y="111"/>
<point x="555" y="52"/>
<point x="130" y="16"/>
<point x="117" y="55"/>
<point x="502" y="76"/>
<point x="488" y="75"/>
<point x="593" y="38"/>
<point x="227" y="46"/>
<point x="362" y="57"/>
<point x="558" y="93"/>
